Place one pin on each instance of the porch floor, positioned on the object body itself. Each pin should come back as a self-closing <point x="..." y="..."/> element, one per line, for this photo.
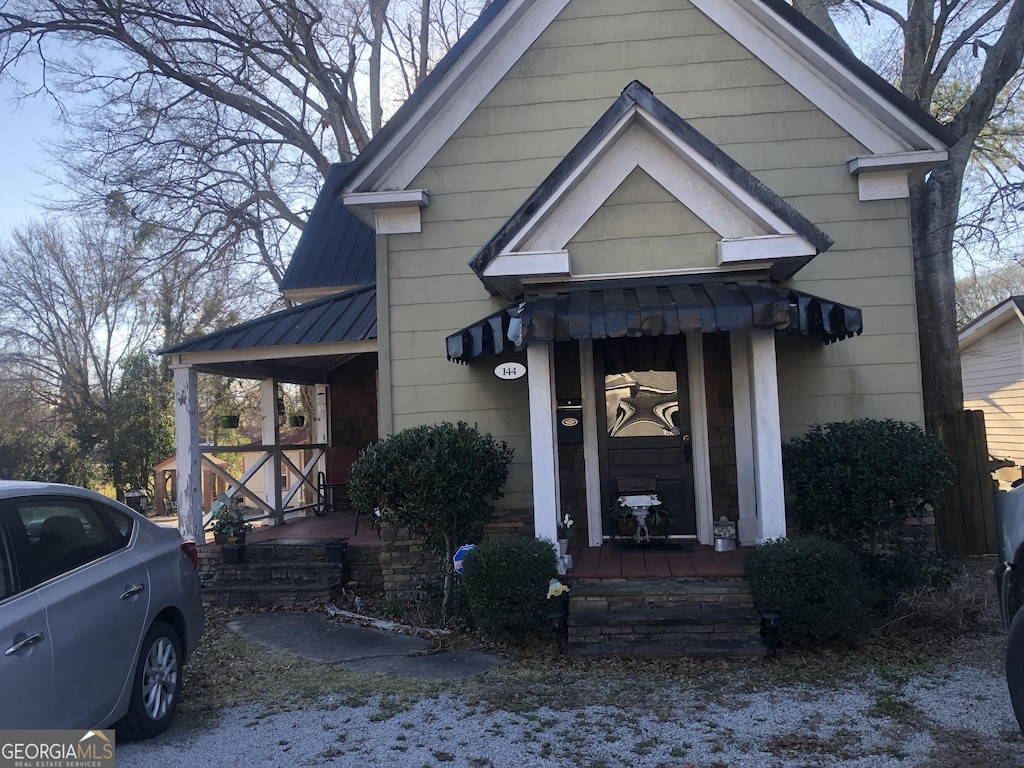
<point x="691" y="561"/>
<point x="605" y="562"/>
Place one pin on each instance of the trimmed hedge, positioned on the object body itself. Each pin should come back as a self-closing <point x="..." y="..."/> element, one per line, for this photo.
<point x="816" y="585"/>
<point x="856" y="482"/>
<point x="505" y="581"/>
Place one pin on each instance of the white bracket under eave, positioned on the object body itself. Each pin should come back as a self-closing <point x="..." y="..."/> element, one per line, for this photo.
<point x="888" y="177"/>
<point x="763" y="248"/>
<point x="389" y="213"/>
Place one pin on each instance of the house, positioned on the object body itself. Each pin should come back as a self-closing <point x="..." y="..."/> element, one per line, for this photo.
<point x="684" y="222"/>
<point x="992" y="364"/>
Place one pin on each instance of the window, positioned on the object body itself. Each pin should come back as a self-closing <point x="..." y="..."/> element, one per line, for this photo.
<point x="8" y="566"/>
<point x="642" y="403"/>
<point x="65" y="534"/>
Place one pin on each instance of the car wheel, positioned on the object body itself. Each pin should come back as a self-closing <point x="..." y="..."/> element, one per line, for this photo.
<point x="1015" y="666"/>
<point x="156" y="686"/>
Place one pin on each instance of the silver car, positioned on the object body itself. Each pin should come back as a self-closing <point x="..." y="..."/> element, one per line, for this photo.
<point x="99" y="610"/>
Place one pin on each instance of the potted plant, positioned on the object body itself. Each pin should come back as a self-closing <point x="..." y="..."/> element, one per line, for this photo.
<point x="229" y="524"/>
<point x="658" y="521"/>
<point x="565" y="532"/>
<point x="622" y="518"/>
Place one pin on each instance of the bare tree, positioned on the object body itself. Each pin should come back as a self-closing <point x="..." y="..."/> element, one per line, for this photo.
<point x="215" y="122"/>
<point x="983" y="290"/>
<point x="939" y="40"/>
<point x="69" y="314"/>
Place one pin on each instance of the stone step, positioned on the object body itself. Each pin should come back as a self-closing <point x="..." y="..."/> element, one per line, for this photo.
<point x="266" y="595"/>
<point x="603" y="595"/>
<point x="304" y="550"/>
<point x="280" y="571"/>
<point x="663" y="618"/>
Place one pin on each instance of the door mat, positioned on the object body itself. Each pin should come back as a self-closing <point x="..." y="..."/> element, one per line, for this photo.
<point x="651" y="546"/>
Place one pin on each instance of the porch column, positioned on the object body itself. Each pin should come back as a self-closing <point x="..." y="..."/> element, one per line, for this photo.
<point x="187" y="460"/>
<point x="591" y="466"/>
<point x="543" y="445"/>
<point x="321" y="431"/>
<point x="272" y="469"/>
<point x="748" y="529"/>
<point x="767" y="436"/>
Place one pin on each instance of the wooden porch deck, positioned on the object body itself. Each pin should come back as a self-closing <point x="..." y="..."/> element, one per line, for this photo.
<point x="605" y="562"/>
<point x="691" y="561"/>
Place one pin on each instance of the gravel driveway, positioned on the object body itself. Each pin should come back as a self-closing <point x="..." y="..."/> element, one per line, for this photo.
<point x="953" y="714"/>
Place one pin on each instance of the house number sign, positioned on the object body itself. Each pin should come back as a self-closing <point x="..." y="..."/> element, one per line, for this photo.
<point x="510" y="371"/>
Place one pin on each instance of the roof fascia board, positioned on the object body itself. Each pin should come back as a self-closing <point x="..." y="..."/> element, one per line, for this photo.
<point x="179" y="359"/>
<point x="989" y="321"/>
<point x="458" y="89"/>
<point x="821" y="77"/>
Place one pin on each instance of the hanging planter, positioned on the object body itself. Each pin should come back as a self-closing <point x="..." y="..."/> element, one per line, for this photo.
<point x="229" y="422"/>
<point x="296" y="421"/>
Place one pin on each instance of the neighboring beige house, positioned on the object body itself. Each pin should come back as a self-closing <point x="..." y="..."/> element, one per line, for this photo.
<point x="992" y="364"/>
<point x="684" y="222"/>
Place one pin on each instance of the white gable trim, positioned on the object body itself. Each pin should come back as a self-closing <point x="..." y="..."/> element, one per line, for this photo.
<point x="985" y="324"/>
<point x="472" y="77"/>
<point x="820" y="77"/>
<point x="880" y="126"/>
<point x="751" y="233"/>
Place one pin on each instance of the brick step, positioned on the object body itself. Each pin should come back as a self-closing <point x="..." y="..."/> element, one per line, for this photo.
<point x="280" y="571"/>
<point x="605" y="595"/>
<point x="304" y="550"/>
<point x="668" y="648"/>
<point x="266" y="595"/>
<point x="745" y="620"/>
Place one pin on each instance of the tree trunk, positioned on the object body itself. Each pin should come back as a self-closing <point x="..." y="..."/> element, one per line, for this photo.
<point x="934" y="207"/>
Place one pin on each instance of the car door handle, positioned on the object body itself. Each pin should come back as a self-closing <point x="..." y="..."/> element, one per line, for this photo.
<point x="31" y="640"/>
<point x="132" y="591"/>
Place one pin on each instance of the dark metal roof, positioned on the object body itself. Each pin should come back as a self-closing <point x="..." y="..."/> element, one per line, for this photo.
<point x="637" y="94"/>
<point x="344" y="317"/>
<point x="653" y="309"/>
<point x="787" y="15"/>
<point x="336" y="250"/>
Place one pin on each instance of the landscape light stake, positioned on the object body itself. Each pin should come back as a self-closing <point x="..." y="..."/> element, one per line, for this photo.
<point x="771" y="625"/>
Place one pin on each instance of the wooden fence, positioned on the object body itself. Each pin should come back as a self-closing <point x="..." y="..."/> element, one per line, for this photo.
<point x="965" y="523"/>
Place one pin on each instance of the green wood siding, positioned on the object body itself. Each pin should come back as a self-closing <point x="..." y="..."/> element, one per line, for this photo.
<point x="539" y="111"/>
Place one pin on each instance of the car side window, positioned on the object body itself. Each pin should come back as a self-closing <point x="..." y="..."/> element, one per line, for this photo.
<point x="8" y="565"/>
<point x="63" y="535"/>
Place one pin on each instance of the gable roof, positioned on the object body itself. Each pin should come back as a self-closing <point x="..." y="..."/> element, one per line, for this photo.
<point x="742" y="209"/>
<point x="990" y="319"/>
<point x="336" y="251"/>
<point x="506" y="28"/>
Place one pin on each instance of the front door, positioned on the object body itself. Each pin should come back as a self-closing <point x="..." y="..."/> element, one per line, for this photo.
<point x="644" y="426"/>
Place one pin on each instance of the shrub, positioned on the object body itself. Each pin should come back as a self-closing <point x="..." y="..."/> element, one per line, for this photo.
<point x="441" y="480"/>
<point x="856" y="482"/>
<point x="815" y="583"/>
<point x="506" y="581"/>
<point x="904" y="567"/>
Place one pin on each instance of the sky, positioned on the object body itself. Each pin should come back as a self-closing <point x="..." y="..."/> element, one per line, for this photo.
<point x="22" y="126"/>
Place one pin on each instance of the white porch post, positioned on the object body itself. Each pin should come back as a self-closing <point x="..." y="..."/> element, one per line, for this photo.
<point x="321" y="433"/>
<point x="748" y="530"/>
<point x="543" y="445"/>
<point x="591" y="465"/>
<point x="272" y="469"/>
<point x="188" y="466"/>
<point x="699" y="443"/>
<point x="767" y="436"/>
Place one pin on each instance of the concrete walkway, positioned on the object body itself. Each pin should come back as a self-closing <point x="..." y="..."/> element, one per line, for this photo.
<point x="360" y="649"/>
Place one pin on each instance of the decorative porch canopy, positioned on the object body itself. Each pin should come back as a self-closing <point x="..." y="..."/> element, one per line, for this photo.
<point x="652" y="309"/>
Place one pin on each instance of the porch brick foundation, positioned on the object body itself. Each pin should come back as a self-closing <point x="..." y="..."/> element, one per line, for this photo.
<point x="403" y="560"/>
